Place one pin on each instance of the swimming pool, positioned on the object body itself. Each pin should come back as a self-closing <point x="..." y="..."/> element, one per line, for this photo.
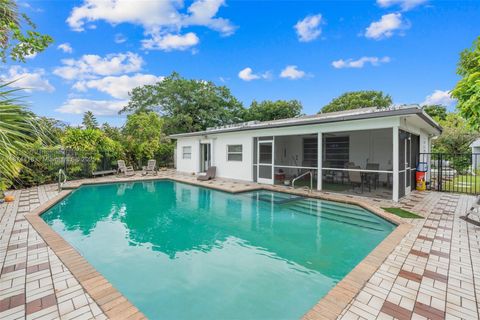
<point x="179" y="251"/>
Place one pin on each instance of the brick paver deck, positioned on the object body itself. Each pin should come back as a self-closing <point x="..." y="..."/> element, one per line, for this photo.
<point x="433" y="273"/>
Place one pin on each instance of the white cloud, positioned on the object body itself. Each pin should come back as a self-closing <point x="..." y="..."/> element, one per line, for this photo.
<point x="156" y="17"/>
<point x="309" y="29"/>
<point x="439" y="97"/>
<point x="120" y="38"/>
<point x="203" y="12"/>
<point x="292" y="72"/>
<point x="359" y="63"/>
<point x="98" y="107"/>
<point x="117" y="87"/>
<point x="169" y="42"/>
<point x="386" y="26"/>
<point x="65" y="47"/>
<point x="247" y="74"/>
<point x="90" y="65"/>
<point x="30" y="81"/>
<point x="404" y="4"/>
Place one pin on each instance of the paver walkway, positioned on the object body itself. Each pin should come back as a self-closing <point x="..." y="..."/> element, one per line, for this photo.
<point x="433" y="273"/>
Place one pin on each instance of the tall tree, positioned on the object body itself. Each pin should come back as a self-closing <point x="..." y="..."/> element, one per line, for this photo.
<point x="358" y="99"/>
<point x="144" y="139"/>
<point x="186" y="105"/>
<point x="89" y="121"/>
<point x="273" y="110"/>
<point x="436" y="111"/>
<point x="467" y="90"/>
<point x="15" y="43"/>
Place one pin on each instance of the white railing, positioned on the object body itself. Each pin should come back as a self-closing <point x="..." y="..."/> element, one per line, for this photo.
<point x="303" y="175"/>
<point x="60" y="182"/>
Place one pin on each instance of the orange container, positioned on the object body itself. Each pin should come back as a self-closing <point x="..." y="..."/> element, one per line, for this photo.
<point x="420" y="179"/>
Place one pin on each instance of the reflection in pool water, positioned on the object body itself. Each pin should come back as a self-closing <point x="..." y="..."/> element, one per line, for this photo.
<point x="179" y="251"/>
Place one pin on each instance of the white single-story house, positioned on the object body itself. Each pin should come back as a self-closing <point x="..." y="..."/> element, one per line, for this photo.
<point x="371" y="152"/>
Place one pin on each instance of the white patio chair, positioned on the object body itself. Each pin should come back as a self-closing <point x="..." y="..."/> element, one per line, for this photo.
<point x="123" y="169"/>
<point x="150" y="168"/>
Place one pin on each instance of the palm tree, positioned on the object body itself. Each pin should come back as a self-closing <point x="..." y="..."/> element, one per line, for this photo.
<point x="19" y="129"/>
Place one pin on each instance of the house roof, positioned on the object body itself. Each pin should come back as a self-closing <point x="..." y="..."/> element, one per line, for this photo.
<point x="357" y="114"/>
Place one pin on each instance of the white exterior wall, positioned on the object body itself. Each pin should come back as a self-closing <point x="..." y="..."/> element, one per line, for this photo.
<point x="188" y="165"/>
<point x="240" y="170"/>
<point x="244" y="170"/>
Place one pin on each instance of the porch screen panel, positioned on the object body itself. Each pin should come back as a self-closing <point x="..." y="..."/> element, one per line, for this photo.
<point x="265" y="153"/>
<point x="310" y="152"/>
<point x="265" y="172"/>
<point x="337" y="151"/>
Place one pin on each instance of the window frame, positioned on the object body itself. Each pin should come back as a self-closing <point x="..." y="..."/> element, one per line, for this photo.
<point x="185" y="153"/>
<point x="234" y="152"/>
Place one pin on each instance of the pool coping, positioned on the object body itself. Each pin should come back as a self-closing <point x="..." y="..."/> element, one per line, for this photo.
<point x="115" y="305"/>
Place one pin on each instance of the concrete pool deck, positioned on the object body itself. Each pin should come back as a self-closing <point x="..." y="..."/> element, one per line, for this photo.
<point x="427" y="269"/>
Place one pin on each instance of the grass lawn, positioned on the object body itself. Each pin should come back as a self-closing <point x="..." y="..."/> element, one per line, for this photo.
<point x="463" y="183"/>
<point x="403" y="213"/>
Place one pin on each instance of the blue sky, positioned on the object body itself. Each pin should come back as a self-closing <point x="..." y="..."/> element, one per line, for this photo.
<point x="311" y="51"/>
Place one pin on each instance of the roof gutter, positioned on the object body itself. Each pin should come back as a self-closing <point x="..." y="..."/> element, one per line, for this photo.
<point x="379" y="114"/>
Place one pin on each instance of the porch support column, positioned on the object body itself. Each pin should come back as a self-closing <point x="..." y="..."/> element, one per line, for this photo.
<point x="395" y="164"/>
<point x="319" y="160"/>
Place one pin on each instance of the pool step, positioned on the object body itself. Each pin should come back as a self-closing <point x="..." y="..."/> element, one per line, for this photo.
<point x="337" y="217"/>
<point x="341" y="211"/>
<point x="349" y="221"/>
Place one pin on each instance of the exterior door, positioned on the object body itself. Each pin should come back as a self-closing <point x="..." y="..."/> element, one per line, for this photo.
<point x="408" y="165"/>
<point x="205" y="157"/>
<point x="265" y="162"/>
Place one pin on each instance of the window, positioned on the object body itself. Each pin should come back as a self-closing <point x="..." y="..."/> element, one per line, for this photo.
<point x="187" y="152"/>
<point x="234" y="152"/>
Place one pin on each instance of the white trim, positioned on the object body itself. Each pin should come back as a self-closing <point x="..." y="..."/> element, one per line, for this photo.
<point x="295" y="167"/>
<point x="271" y="164"/>
<point x="360" y="170"/>
<point x="395" y="178"/>
<point x="319" y="160"/>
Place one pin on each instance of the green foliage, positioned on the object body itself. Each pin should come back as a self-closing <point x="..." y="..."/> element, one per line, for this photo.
<point x="90" y="140"/>
<point x="455" y="140"/>
<point x="144" y="139"/>
<point x="273" y="110"/>
<point x="357" y="100"/>
<point x="436" y="111"/>
<point x="467" y="90"/>
<point x="19" y="130"/>
<point x="89" y="121"/>
<point x="92" y="145"/>
<point x="186" y="105"/>
<point x="15" y="43"/>
<point x="113" y="133"/>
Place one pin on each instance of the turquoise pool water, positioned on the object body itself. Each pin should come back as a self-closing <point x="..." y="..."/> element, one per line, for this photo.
<point x="184" y="252"/>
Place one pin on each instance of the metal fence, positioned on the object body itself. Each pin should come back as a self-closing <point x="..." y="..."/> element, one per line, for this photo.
<point x="42" y="165"/>
<point x="452" y="172"/>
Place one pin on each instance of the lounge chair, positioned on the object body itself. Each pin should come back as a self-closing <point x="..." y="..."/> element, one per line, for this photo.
<point x="210" y="174"/>
<point x="475" y="208"/>
<point x="150" y="168"/>
<point x="123" y="169"/>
